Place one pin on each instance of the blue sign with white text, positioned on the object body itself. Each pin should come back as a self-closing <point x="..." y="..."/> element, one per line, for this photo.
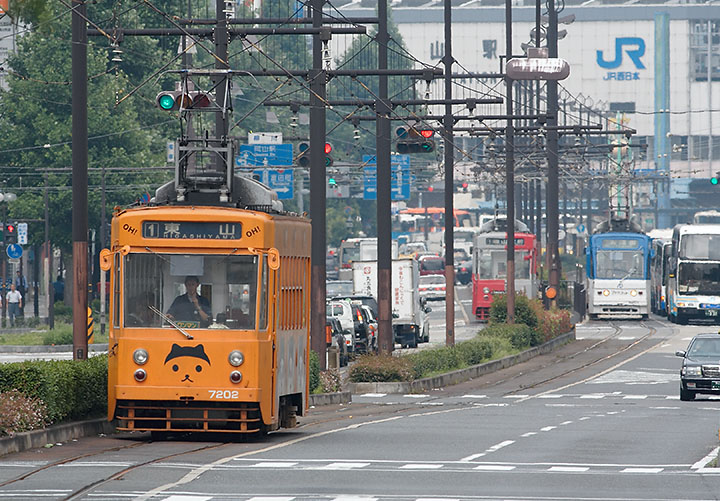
<point x="400" y="178"/>
<point x="260" y="155"/>
<point x="280" y="180"/>
<point x="14" y="251"/>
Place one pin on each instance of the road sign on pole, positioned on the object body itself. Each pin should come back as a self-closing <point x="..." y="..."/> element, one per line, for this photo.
<point x="261" y="155"/>
<point x="400" y="177"/>
<point x="22" y="232"/>
<point x="14" y="251"/>
<point x="280" y="180"/>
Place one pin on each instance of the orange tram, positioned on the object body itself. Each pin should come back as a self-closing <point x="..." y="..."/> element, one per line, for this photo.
<point x="209" y="318"/>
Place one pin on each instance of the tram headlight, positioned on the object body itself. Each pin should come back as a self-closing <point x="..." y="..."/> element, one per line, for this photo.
<point x="236" y="358"/>
<point x="633" y="293"/>
<point x="486" y="290"/>
<point x="235" y="377"/>
<point x="140" y="356"/>
<point x="606" y="292"/>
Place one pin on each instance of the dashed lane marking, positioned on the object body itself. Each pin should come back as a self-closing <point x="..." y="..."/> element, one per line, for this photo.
<point x="642" y="470"/>
<point x="273" y="464"/>
<point x="421" y="466"/>
<point x="569" y="469"/>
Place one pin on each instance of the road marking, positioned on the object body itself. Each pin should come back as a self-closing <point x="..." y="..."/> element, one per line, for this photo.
<point x="569" y="469"/>
<point x="499" y="446"/>
<point x="595" y="396"/>
<point x="584" y="418"/>
<point x="548" y="428"/>
<point x="474" y="396"/>
<point x="700" y="464"/>
<point x="353" y="498"/>
<point x="373" y="395"/>
<point x="415" y="396"/>
<point x="634" y="397"/>
<point x="181" y="497"/>
<point x="642" y="470"/>
<point x="344" y="466"/>
<point x="418" y="466"/>
<point x="565" y="423"/>
<point x="528" y="434"/>
<point x="273" y="464"/>
<point x="626" y="338"/>
<point x="516" y="396"/>
<point x="550" y="395"/>
<point x="494" y="467"/>
<point x="470" y="458"/>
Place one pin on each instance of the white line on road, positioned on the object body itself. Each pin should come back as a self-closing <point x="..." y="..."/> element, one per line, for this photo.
<point x="528" y="434"/>
<point x="706" y="459"/>
<point x="569" y="469"/>
<point x="500" y="445"/>
<point x="344" y="466"/>
<point x="634" y="397"/>
<point x="548" y="428"/>
<point x="414" y="466"/>
<point x="474" y="396"/>
<point x="415" y="396"/>
<point x="642" y="470"/>
<point x="372" y="395"/>
<point x="273" y="464"/>
<point x="494" y="467"/>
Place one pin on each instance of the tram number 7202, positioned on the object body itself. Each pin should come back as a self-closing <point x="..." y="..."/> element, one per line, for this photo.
<point x="224" y="394"/>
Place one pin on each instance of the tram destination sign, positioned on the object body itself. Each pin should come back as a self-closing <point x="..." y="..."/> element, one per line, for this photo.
<point x="192" y="230"/>
<point x="503" y="241"/>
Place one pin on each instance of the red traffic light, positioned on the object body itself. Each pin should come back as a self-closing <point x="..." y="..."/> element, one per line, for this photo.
<point x="427" y="134"/>
<point x="464" y="185"/>
<point x="430" y="188"/>
<point x="328" y="148"/>
<point x="10" y="228"/>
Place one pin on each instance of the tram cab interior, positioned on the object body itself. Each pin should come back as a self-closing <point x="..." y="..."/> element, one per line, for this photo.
<point x="229" y="283"/>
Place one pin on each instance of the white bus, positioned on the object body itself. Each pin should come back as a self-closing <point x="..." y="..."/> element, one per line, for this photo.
<point x="660" y="245"/>
<point x="707" y="217"/>
<point x="693" y="285"/>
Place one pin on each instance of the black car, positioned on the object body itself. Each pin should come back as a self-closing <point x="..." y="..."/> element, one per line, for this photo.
<point x="339" y="340"/>
<point x="463" y="272"/>
<point x="700" y="371"/>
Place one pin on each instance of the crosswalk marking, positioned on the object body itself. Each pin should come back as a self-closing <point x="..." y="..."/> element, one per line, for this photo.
<point x="344" y="466"/>
<point x="494" y="467"/>
<point x="474" y="396"/>
<point x="642" y="470"/>
<point x="421" y="466"/>
<point x="273" y="464"/>
<point x="569" y="469"/>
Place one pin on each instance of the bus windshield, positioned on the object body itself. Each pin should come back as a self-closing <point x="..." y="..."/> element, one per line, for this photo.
<point x="492" y="264"/>
<point x="194" y="291"/>
<point x="620" y="264"/>
<point x="699" y="278"/>
<point x="700" y="247"/>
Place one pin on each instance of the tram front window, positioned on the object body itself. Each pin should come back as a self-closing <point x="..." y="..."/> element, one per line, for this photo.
<point x="192" y="291"/>
<point x="620" y="264"/>
<point x="492" y="264"/>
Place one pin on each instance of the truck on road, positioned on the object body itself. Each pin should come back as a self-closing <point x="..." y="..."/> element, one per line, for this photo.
<point x="410" y="321"/>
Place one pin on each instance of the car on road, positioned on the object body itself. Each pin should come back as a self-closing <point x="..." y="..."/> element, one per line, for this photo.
<point x="463" y="271"/>
<point x="700" y="372"/>
<point x="431" y="265"/>
<point x="338" y="339"/>
<point x="432" y="287"/>
<point x="354" y="322"/>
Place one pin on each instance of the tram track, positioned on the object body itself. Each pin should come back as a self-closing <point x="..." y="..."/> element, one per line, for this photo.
<point x="617" y="330"/>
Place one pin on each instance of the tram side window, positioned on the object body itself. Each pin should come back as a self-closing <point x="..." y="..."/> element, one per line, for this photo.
<point x="142" y="289"/>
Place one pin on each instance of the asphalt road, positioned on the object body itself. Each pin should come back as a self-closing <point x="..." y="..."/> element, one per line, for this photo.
<point x="599" y="419"/>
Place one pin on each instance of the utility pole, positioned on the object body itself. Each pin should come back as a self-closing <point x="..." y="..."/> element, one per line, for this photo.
<point x="552" y="195"/>
<point x="509" y="171"/>
<point x="318" y="79"/>
<point x="79" y="179"/>
<point x="384" y="192"/>
<point x="449" y="183"/>
<point x="48" y="253"/>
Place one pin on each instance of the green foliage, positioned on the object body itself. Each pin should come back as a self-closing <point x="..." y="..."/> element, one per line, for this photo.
<point x="381" y="368"/>
<point x="554" y="322"/>
<point x="19" y="413"/>
<point x="524" y="312"/>
<point x="330" y="381"/>
<point x="62" y="312"/>
<point x="62" y="334"/>
<point x="314" y="371"/>
<point x="520" y="336"/>
<point x="71" y="389"/>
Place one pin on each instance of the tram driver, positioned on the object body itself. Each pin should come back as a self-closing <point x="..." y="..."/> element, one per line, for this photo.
<point x="191" y="307"/>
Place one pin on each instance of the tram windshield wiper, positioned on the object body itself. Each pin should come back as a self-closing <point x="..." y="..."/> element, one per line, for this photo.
<point x="169" y="320"/>
<point x="632" y="270"/>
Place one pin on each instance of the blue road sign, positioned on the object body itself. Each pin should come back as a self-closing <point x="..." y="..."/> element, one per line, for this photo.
<point x="400" y="177"/>
<point x="581" y="228"/>
<point x="261" y="155"/>
<point x="14" y="251"/>
<point x="280" y="180"/>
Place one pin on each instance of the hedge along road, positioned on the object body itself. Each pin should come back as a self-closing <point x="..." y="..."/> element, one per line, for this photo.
<point x="139" y="461"/>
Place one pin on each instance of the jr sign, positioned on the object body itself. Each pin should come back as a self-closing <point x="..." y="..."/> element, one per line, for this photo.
<point x="634" y="48"/>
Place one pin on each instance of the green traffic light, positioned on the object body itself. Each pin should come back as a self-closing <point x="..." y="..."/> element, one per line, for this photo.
<point x="332" y="182"/>
<point x="166" y="102"/>
<point x="714" y="180"/>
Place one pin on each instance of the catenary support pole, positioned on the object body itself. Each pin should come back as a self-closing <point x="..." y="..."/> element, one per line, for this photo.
<point x="449" y="182"/>
<point x="509" y="172"/>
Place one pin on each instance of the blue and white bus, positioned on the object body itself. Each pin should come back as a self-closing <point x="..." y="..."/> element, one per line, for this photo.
<point x="618" y="275"/>
<point x="693" y="285"/>
<point x="661" y="243"/>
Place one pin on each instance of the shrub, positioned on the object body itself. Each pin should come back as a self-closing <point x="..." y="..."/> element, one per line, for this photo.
<point x="381" y="369"/>
<point x="524" y="312"/>
<point x="520" y="335"/>
<point x="554" y="322"/>
<point x="71" y="389"/>
<point x="62" y="312"/>
<point x="19" y="413"/>
<point x="330" y="381"/>
<point x="314" y="382"/>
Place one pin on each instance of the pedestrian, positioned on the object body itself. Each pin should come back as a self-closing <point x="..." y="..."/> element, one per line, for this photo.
<point x="14" y="303"/>
<point x="21" y="286"/>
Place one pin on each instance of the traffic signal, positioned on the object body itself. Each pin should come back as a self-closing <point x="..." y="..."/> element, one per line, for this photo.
<point x="173" y="100"/>
<point x="332" y="183"/>
<point x="464" y="186"/>
<point x="715" y="180"/>
<point x="303" y="157"/>
<point x="413" y="140"/>
<point x="10" y="233"/>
